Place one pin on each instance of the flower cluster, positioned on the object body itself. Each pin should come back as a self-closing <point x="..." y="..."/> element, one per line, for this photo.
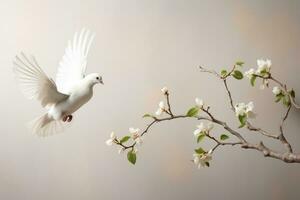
<point x="202" y="158"/>
<point x="276" y="90"/>
<point x="112" y="139"/>
<point x="132" y="150"/>
<point x="263" y="70"/>
<point x="264" y="66"/>
<point x="165" y="90"/>
<point x="284" y="96"/>
<point x="199" y="102"/>
<point x="244" y="111"/>
<point x="161" y="108"/>
<point x="203" y="129"/>
<point x="136" y="136"/>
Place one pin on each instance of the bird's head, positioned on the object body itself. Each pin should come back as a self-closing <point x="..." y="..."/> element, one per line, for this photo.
<point x="94" y="78"/>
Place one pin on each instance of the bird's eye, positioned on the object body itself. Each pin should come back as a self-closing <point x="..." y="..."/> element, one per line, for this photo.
<point x="97" y="78"/>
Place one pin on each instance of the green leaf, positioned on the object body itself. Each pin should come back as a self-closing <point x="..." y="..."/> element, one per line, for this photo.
<point x="223" y="72"/>
<point x="224" y="137"/>
<point x="125" y="139"/>
<point x="252" y="80"/>
<point x="199" y="150"/>
<point x="131" y="156"/>
<point x="200" y="137"/>
<point x="192" y="112"/>
<point x="207" y="164"/>
<point x="243" y="120"/>
<point x="292" y="93"/>
<point x="147" y="115"/>
<point x="278" y="98"/>
<point x="237" y="74"/>
<point x="286" y="100"/>
<point x="264" y="72"/>
<point x="240" y="63"/>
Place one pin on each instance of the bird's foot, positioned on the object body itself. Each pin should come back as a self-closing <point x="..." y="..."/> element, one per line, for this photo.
<point x="67" y="118"/>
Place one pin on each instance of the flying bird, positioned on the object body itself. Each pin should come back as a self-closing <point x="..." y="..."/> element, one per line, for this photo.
<point x="71" y="90"/>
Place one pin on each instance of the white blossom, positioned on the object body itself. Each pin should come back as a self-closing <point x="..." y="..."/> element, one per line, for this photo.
<point x="110" y="141"/>
<point x="199" y="102"/>
<point x="250" y="73"/>
<point x="138" y="140"/>
<point x="240" y="109"/>
<point x="121" y="150"/>
<point x="161" y="108"/>
<point x="263" y="65"/>
<point x="134" y="130"/>
<point x="200" y="160"/>
<point x="276" y="90"/>
<point x="164" y="90"/>
<point x="136" y="136"/>
<point x="159" y="112"/>
<point x="161" y="105"/>
<point x="244" y="109"/>
<point x="201" y="128"/>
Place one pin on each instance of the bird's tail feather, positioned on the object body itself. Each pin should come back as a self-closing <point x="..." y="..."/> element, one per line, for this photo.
<point x="44" y="126"/>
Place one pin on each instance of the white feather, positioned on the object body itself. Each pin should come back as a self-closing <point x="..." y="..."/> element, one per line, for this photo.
<point x="73" y="64"/>
<point x="45" y="125"/>
<point x="34" y="83"/>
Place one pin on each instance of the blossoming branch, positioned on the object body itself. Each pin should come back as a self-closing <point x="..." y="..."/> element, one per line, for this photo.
<point x="242" y="111"/>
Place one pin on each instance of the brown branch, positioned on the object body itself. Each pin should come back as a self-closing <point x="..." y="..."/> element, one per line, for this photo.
<point x="219" y="143"/>
<point x="250" y="127"/>
<point x="281" y="136"/>
<point x="263" y="132"/>
<point x="229" y="94"/>
<point x="168" y="103"/>
<point x="288" y="156"/>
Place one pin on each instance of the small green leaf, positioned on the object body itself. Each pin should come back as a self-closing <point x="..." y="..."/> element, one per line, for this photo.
<point x="240" y="63"/>
<point x="243" y="120"/>
<point x="131" y="156"/>
<point x="125" y="139"/>
<point x="199" y="150"/>
<point x="147" y="115"/>
<point x="223" y="72"/>
<point x="224" y="137"/>
<point x="237" y="74"/>
<point x="278" y="98"/>
<point x="252" y="80"/>
<point x="200" y="137"/>
<point x="292" y="93"/>
<point x="192" y="112"/>
<point x="286" y="100"/>
<point x="264" y="72"/>
<point x="207" y="164"/>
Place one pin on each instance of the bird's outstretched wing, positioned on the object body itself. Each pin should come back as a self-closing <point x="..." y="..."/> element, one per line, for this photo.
<point x="73" y="64"/>
<point x="34" y="83"/>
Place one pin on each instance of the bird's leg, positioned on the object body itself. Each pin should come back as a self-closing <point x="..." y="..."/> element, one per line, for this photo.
<point x="67" y="118"/>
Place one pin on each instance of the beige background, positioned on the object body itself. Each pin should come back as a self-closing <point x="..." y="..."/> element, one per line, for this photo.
<point x="141" y="46"/>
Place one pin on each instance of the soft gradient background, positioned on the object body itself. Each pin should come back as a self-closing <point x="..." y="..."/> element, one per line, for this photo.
<point x="141" y="46"/>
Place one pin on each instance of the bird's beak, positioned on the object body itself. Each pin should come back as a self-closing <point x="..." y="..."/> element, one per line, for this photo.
<point x="101" y="81"/>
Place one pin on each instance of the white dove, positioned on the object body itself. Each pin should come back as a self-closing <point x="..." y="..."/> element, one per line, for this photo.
<point x="72" y="88"/>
